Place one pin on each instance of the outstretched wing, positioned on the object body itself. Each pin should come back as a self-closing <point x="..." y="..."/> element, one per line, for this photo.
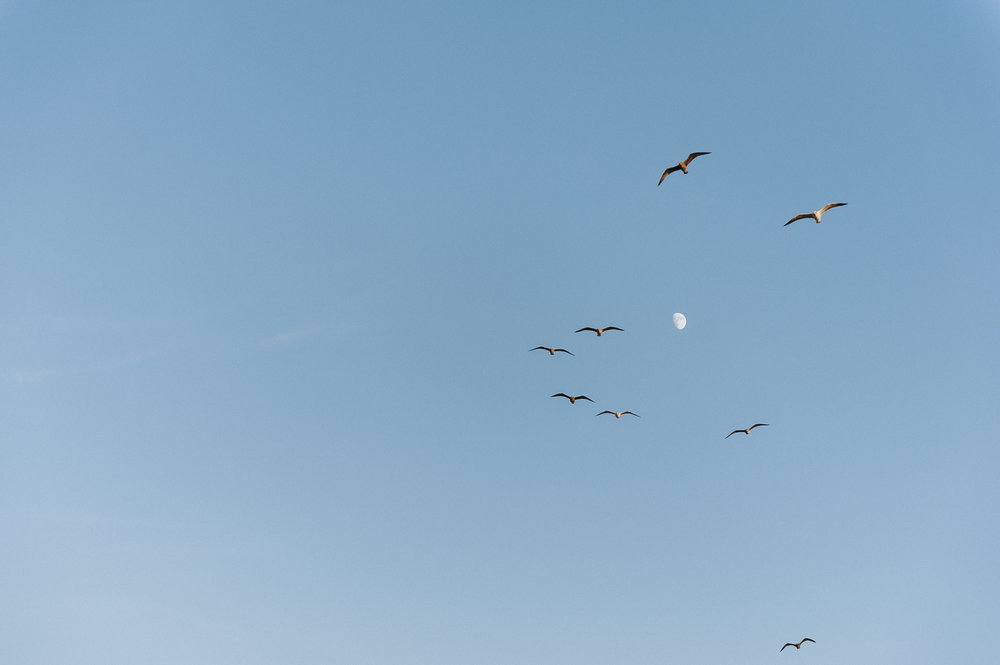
<point x="804" y="215"/>
<point x="734" y="432"/>
<point x="631" y="413"/>
<point x="693" y="155"/>
<point x="587" y="328"/>
<point x="808" y="639"/>
<point x="758" y="425"/>
<point x="668" y="172"/>
<point x="830" y="205"/>
<point x="563" y="395"/>
<point x="542" y="348"/>
<point x="787" y="644"/>
<point x="565" y="351"/>
<point x="606" y="411"/>
<point x="613" y="328"/>
<point x="583" y="397"/>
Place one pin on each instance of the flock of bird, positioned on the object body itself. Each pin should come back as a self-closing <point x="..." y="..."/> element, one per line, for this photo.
<point x="600" y="331"/>
<point x="682" y="166"/>
<point x="573" y="398"/>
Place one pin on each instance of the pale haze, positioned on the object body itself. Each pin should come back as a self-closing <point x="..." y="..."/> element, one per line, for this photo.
<point x="272" y="274"/>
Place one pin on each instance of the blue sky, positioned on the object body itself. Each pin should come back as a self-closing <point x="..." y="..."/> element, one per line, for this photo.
<point x="270" y="276"/>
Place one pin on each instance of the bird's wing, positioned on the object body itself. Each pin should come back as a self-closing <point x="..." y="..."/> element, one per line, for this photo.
<point x="539" y="347"/>
<point x="606" y="411"/>
<point x="632" y="413"/>
<point x="789" y="644"/>
<point x="562" y="395"/>
<point x="693" y="155"/>
<point x="613" y="328"/>
<point x="565" y="351"/>
<point x="666" y="173"/>
<point x="584" y="397"/>
<point x="798" y="217"/>
<point x="830" y="205"/>
<point x="733" y="432"/>
<point x="587" y="328"/>
<point x="808" y="639"/>
<point x="758" y="425"/>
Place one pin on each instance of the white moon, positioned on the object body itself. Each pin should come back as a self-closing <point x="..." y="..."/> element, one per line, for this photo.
<point x="680" y="321"/>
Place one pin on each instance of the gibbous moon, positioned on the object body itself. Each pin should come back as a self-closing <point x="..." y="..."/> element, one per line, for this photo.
<point x="680" y="321"/>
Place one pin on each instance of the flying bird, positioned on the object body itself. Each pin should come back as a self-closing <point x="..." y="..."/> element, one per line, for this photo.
<point x="619" y="414"/>
<point x="599" y="331"/>
<point x="572" y="400"/>
<point x="551" y="351"/>
<point x="815" y="214"/>
<point x="681" y="166"/>
<point x="747" y="430"/>
<point x="797" y="646"/>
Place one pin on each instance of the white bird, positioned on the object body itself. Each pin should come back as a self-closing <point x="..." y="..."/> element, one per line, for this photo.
<point x="619" y="414"/>
<point x="815" y="214"/>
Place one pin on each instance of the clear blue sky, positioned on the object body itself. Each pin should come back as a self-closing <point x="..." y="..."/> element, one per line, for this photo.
<point x="270" y="273"/>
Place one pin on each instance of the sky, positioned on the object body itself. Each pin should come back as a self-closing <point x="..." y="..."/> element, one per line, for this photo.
<point x="270" y="275"/>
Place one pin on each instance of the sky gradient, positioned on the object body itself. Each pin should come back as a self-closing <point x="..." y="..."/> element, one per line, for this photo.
<point x="270" y="276"/>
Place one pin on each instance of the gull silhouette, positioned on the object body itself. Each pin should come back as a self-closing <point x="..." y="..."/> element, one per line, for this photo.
<point x="551" y="351"/>
<point x="797" y="646"/>
<point x="815" y="214"/>
<point x="572" y="400"/>
<point x="599" y="331"/>
<point x="681" y="166"/>
<point x="747" y="430"/>
<point x="619" y="414"/>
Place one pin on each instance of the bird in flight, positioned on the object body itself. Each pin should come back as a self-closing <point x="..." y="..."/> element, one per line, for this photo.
<point x="681" y="166"/>
<point x="599" y="331"/>
<point x="815" y="214"/>
<point x="797" y="646"/>
<point x="572" y="400"/>
<point x="747" y="430"/>
<point x="619" y="414"/>
<point x="551" y="351"/>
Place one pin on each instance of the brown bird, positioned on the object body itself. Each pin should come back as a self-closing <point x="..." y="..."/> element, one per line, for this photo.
<point x="619" y="414"/>
<point x="572" y="400"/>
<point x="797" y="646"/>
<point x="599" y="331"/>
<point x="551" y="351"/>
<point x="681" y="166"/>
<point x="747" y="430"/>
<point x="815" y="214"/>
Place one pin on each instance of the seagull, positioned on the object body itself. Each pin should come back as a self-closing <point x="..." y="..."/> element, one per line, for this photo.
<point x="619" y="414"/>
<point x="681" y="166"/>
<point x="815" y="214"/>
<point x="599" y="331"/>
<point x="747" y="430"/>
<point x="551" y="351"/>
<point x="572" y="400"/>
<point x="799" y="645"/>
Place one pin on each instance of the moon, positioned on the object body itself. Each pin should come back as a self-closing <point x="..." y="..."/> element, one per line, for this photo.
<point x="680" y="321"/>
